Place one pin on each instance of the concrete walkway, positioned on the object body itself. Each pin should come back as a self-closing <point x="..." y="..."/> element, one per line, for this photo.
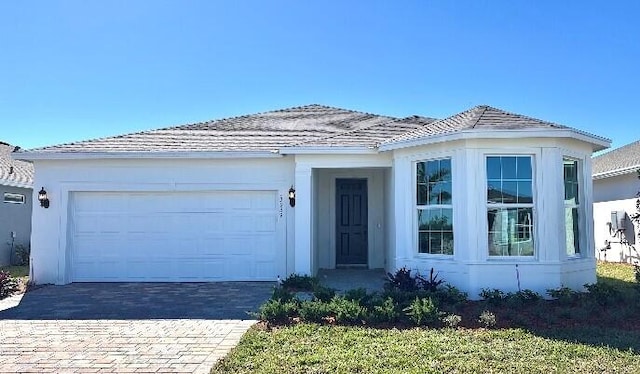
<point x="126" y="327"/>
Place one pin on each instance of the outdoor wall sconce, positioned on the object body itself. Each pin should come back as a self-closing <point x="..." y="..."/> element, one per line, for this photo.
<point x="42" y="197"/>
<point x="292" y="197"/>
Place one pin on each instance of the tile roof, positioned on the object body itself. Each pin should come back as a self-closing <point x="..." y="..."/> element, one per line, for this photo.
<point x="14" y="172"/>
<point x="371" y="136"/>
<point x="625" y="157"/>
<point x="267" y="131"/>
<point x="481" y="117"/>
<point x="305" y="126"/>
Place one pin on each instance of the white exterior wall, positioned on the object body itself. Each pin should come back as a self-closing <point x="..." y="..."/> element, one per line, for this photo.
<point x="470" y="268"/>
<point x="50" y="249"/>
<point x="619" y="187"/>
<point x="617" y="193"/>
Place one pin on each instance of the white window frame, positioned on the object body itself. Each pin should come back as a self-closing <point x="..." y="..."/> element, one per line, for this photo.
<point x="581" y="206"/>
<point x="488" y="206"/>
<point x="415" y="207"/>
<point x="22" y="198"/>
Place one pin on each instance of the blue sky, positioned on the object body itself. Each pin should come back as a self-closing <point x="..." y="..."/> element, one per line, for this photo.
<point x="74" y="70"/>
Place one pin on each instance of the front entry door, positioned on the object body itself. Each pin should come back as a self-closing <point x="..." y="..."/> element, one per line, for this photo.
<point x="351" y="222"/>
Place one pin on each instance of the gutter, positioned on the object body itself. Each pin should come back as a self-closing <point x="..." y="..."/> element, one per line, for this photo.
<point x="616" y="172"/>
<point x="31" y="156"/>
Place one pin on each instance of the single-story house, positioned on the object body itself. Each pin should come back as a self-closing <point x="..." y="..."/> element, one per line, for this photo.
<point x="16" y="184"/>
<point x="486" y="197"/>
<point x="615" y="188"/>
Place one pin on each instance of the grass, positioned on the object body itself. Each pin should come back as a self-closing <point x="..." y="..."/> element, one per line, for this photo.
<point x="585" y="337"/>
<point x="309" y="348"/>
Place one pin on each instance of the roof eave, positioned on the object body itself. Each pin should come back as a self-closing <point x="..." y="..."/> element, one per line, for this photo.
<point x="10" y="183"/>
<point x="598" y="143"/>
<point x="329" y="150"/>
<point x="32" y="156"/>
<point x="616" y="172"/>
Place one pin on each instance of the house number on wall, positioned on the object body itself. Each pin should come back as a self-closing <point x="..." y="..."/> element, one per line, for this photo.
<point x="281" y="206"/>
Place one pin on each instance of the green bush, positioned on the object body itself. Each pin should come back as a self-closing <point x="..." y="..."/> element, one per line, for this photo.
<point x="347" y="311"/>
<point x="297" y="282"/>
<point x="23" y="253"/>
<point x="8" y="285"/>
<point x="314" y="311"/>
<point x="281" y="294"/>
<point x="493" y="296"/>
<point x="487" y="319"/>
<point x="277" y="310"/>
<point x="386" y="311"/>
<point x="323" y="293"/>
<point x="423" y="312"/>
<point x="603" y="293"/>
<point x="564" y="295"/>
<point x="450" y="295"/>
<point x="356" y="294"/>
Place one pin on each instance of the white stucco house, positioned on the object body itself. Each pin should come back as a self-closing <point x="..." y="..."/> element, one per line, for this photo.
<point x="16" y="184"/>
<point x="615" y="188"/>
<point x="485" y="197"/>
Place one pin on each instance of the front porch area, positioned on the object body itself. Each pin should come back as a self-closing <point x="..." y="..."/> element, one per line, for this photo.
<point x="342" y="280"/>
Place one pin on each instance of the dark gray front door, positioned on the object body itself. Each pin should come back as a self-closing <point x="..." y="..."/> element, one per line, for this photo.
<point x="351" y="221"/>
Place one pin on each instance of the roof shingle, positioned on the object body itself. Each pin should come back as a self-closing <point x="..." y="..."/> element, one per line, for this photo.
<point x="624" y="158"/>
<point x="14" y="172"/>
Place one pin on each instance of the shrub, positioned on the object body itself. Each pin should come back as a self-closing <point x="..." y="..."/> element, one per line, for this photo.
<point x="493" y="296"/>
<point x="451" y="320"/>
<point x="300" y="282"/>
<point x="450" y="295"/>
<point x="8" y="285"/>
<point x="314" y="311"/>
<point x="22" y="255"/>
<point x="430" y="284"/>
<point x="384" y="312"/>
<point x="347" y="311"/>
<point x="356" y="294"/>
<point x="487" y="319"/>
<point x="402" y="280"/>
<point x="323" y="293"/>
<point x="564" y="295"/>
<point x="603" y="293"/>
<point x="423" y="311"/>
<point x="277" y="310"/>
<point x="281" y="294"/>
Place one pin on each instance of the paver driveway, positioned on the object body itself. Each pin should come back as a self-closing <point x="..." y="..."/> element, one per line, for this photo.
<point x="126" y="327"/>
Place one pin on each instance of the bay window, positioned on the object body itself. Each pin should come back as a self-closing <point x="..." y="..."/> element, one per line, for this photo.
<point x="435" y="211"/>
<point x="571" y="206"/>
<point x="510" y="205"/>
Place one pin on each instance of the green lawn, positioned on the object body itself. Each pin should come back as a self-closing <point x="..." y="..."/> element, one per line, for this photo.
<point x="612" y="346"/>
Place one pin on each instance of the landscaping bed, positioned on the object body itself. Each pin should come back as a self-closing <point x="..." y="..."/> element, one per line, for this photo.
<point x="423" y="325"/>
<point x="13" y="280"/>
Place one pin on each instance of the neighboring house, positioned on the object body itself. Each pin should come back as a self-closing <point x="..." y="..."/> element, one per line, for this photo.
<point x="615" y="185"/>
<point x="479" y="196"/>
<point x="16" y="184"/>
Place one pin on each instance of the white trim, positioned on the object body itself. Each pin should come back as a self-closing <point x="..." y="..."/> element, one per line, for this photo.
<point x="328" y="150"/>
<point x="143" y="155"/>
<point x="616" y="172"/>
<point x="601" y="143"/>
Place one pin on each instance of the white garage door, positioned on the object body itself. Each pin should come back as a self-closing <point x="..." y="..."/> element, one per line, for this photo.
<point x="176" y="236"/>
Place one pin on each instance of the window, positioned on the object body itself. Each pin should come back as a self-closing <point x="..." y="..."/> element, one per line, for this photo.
<point x="13" y="198"/>
<point x="510" y="205"/>
<point x="435" y="212"/>
<point x="571" y="206"/>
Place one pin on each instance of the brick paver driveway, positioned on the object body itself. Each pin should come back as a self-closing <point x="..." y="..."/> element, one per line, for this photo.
<point x="126" y="327"/>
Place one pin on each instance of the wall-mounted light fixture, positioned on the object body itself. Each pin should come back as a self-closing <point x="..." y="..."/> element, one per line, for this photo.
<point x="292" y="196"/>
<point x="43" y="198"/>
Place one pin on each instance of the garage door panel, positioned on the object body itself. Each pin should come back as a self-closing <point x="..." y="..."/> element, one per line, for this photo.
<point x="173" y="236"/>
